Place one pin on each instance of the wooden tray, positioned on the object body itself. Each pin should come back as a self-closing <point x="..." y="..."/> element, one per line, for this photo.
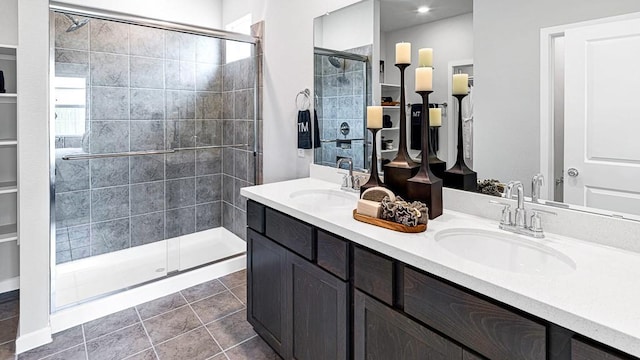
<point x="389" y="224"/>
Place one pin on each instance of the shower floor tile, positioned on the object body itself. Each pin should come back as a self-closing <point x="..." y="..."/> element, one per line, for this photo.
<point x="207" y="321"/>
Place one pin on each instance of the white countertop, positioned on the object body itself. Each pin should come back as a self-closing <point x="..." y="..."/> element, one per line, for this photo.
<point x="600" y="299"/>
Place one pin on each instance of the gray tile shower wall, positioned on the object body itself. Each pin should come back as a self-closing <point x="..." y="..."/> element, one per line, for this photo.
<point x="341" y="99"/>
<point x="150" y="89"/>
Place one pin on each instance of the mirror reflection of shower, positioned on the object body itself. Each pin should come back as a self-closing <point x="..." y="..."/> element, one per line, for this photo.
<point x="335" y="62"/>
<point x="76" y="23"/>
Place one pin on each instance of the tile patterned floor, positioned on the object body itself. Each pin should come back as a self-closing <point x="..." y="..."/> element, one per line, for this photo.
<point x="207" y="321"/>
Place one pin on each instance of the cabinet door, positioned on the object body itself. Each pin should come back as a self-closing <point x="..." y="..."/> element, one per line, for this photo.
<point x="383" y="333"/>
<point x="266" y="268"/>
<point x="319" y="304"/>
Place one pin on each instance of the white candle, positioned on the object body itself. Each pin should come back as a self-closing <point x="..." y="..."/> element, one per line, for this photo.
<point x="435" y="117"/>
<point x="460" y="84"/>
<point x="425" y="57"/>
<point x="374" y="117"/>
<point x="424" y="79"/>
<point x="403" y="53"/>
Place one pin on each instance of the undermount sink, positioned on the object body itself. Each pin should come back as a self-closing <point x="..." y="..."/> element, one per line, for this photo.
<point x="505" y="251"/>
<point x="324" y="198"/>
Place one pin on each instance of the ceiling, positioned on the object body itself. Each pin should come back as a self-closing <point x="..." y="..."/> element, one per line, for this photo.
<point x="400" y="14"/>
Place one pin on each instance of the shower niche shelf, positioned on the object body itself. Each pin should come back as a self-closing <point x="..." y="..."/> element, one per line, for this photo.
<point x="8" y="145"/>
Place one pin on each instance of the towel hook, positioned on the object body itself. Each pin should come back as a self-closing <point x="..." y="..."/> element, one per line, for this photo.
<point x="305" y="102"/>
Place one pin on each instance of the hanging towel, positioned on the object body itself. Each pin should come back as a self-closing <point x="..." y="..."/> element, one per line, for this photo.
<point x="316" y="130"/>
<point x="304" y="129"/>
<point x="416" y="126"/>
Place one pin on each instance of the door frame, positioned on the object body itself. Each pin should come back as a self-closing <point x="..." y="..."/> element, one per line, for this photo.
<point x="547" y="37"/>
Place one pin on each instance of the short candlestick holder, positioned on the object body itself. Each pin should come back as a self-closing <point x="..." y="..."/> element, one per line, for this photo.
<point x="460" y="176"/>
<point x="401" y="168"/>
<point x="437" y="166"/>
<point x="374" y="178"/>
<point x="426" y="186"/>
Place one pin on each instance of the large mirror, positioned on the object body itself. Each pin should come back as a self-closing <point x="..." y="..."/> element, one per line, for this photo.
<point x="552" y="89"/>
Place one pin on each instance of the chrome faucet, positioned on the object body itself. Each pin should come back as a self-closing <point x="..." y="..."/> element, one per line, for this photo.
<point x="349" y="182"/>
<point x="519" y="225"/>
<point x="536" y="185"/>
<point x="521" y="213"/>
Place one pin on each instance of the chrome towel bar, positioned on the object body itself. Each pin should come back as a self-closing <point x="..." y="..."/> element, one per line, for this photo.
<point x="148" y="152"/>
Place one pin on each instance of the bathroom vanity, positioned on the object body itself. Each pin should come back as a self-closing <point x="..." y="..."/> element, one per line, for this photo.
<point x="324" y="286"/>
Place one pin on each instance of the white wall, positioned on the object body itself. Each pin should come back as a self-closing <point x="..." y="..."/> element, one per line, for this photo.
<point x="33" y="172"/>
<point x="451" y="39"/>
<point x="207" y="13"/>
<point x="348" y="28"/>
<point x="232" y="10"/>
<point x="507" y="77"/>
<point x="288" y="69"/>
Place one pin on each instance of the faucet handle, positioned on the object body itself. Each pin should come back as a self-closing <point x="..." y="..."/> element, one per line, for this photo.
<point x="347" y="181"/>
<point x="536" y="221"/>
<point x="505" y="218"/>
<point x="357" y="182"/>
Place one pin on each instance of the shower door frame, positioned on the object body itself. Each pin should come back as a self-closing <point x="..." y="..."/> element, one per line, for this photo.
<point x="129" y="19"/>
<point x="364" y="60"/>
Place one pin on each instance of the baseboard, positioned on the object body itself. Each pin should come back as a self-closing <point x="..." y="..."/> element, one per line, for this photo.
<point x="32" y="340"/>
<point x="81" y="313"/>
<point x="10" y="284"/>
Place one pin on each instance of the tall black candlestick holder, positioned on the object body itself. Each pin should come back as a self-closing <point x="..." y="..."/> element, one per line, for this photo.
<point x="460" y="176"/>
<point x="426" y="186"/>
<point x="374" y="178"/>
<point x="401" y="168"/>
<point x="437" y="166"/>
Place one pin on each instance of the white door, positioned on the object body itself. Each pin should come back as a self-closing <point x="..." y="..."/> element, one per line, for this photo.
<point x="602" y="116"/>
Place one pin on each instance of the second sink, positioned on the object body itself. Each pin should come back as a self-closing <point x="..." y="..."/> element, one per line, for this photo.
<point x="505" y="251"/>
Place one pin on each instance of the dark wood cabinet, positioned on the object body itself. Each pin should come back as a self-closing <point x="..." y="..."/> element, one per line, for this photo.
<point x="483" y="326"/>
<point x="373" y="274"/>
<point x="319" y="305"/>
<point x="580" y="350"/>
<point x="301" y="310"/>
<point x="313" y="295"/>
<point x="266" y="292"/>
<point x="383" y="333"/>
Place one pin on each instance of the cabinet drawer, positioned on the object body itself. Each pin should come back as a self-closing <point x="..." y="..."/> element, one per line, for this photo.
<point x="291" y="233"/>
<point x="333" y="254"/>
<point x="373" y="274"/>
<point x="381" y="333"/>
<point x="488" y="329"/>
<point x="255" y="216"/>
<point x="583" y="351"/>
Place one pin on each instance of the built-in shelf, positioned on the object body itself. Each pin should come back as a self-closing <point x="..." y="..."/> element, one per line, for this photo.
<point x="390" y="85"/>
<point x="391" y="128"/>
<point x="388" y="151"/>
<point x="8" y="233"/>
<point x="8" y="187"/>
<point x="8" y="142"/>
<point x="8" y="50"/>
<point x="8" y="145"/>
<point x="391" y="107"/>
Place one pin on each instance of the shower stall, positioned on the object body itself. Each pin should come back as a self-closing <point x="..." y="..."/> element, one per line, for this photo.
<point x="342" y="92"/>
<point x="153" y="134"/>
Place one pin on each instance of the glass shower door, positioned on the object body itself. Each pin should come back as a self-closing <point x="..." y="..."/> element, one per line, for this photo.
<point x="153" y="132"/>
